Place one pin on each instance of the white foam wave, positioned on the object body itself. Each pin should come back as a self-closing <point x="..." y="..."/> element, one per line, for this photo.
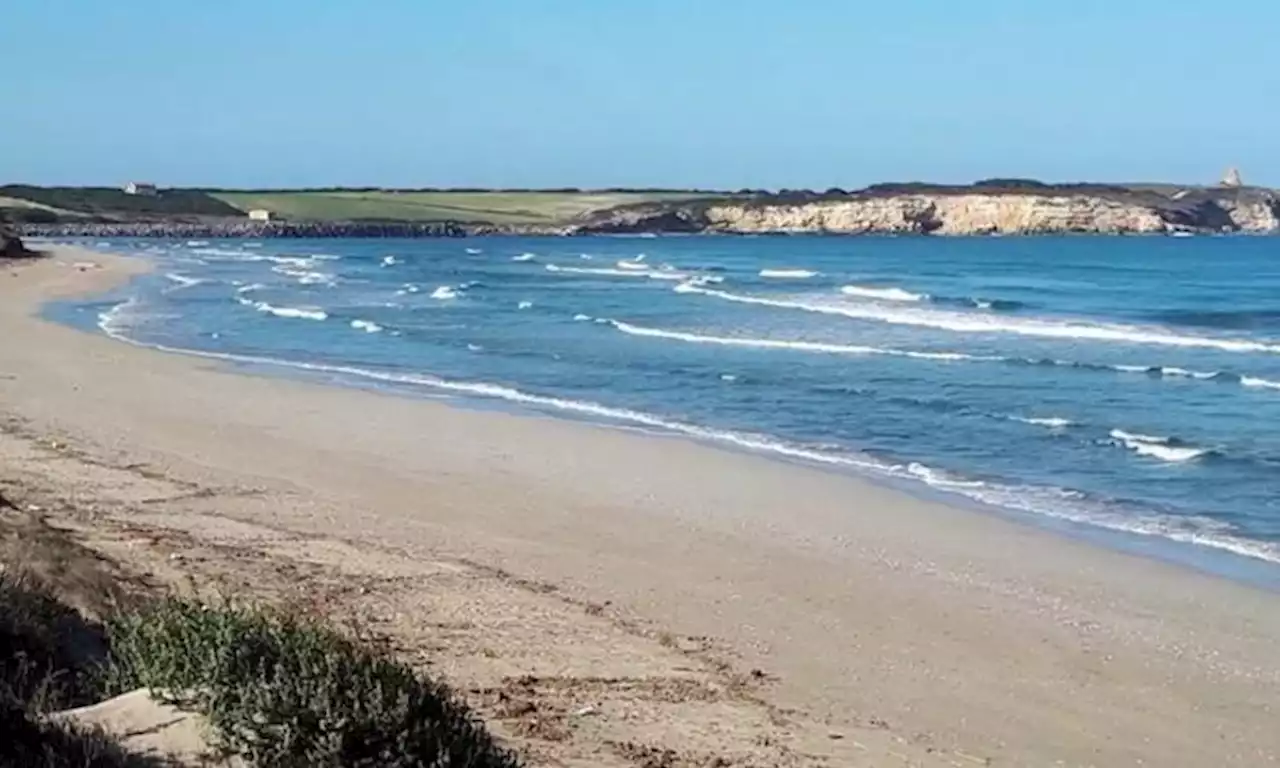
<point x="939" y="478"/>
<point x="296" y="313"/>
<point x="788" y="274"/>
<point x="1157" y="447"/>
<point x="635" y="265"/>
<point x="524" y="305"/>
<point x="525" y="257"/>
<point x="197" y="243"/>
<point x="298" y="271"/>
<point x="1052" y="502"/>
<point x="228" y="253"/>
<point x="444" y="292"/>
<point x="580" y="317"/>
<point x="1184" y="373"/>
<point x="368" y="326"/>
<point x="639" y="270"/>
<point x="389" y="261"/>
<point x="475" y="251"/>
<point x="1253" y="381"/>
<point x="182" y="280"/>
<point x="794" y="345"/>
<point x="884" y="294"/>
<point x="973" y="323"/>
<point x="250" y="288"/>
<point x="1052" y="422"/>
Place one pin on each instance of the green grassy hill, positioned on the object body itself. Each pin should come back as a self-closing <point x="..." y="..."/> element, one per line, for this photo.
<point x="494" y="207"/>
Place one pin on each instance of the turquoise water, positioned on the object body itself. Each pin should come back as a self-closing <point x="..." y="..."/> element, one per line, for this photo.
<point x="1129" y="385"/>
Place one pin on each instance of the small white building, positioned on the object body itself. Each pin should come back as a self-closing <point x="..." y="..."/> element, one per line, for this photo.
<point x="146" y="189"/>
<point x="260" y="214"/>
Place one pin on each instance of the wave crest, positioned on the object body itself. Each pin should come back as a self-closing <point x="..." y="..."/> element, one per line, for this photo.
<point x="975" y="323"/>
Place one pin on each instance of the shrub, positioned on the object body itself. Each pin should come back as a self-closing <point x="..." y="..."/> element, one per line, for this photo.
<point x="283" y="690"/>
<point x="46" y="649"/>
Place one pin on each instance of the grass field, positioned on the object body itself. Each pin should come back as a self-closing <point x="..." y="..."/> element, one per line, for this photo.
<point x="493" y="207"/>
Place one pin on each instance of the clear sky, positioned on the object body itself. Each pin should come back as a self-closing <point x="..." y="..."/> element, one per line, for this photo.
<point x="711" y="93"/>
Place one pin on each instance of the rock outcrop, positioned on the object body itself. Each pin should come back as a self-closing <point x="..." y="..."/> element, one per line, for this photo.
<point x="968" y="212"/>
<point x="11" y="246"/>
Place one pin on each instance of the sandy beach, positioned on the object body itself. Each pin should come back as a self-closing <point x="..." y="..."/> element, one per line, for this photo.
<point x="606" y="597"/>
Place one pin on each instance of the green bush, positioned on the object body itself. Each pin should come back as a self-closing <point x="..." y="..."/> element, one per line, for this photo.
<point x="286" y="691"/>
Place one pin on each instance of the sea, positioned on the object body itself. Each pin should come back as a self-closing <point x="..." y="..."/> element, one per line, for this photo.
<point x="1123" y="389"/>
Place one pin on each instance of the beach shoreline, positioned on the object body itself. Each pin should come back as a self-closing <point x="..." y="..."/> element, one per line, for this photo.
<point x="905" y="626"/>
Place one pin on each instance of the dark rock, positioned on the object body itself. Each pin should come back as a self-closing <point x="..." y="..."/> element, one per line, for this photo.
<point x="11" y="246"/>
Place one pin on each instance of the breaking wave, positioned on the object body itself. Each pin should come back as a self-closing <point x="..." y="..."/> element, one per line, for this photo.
<point x="1052" y="422"/>
<point x="181" y="281"/>
<point x="636" y="270"/>
<point x="1163" y="448"/>
<point x="788" y="274"/>
<point x="798" y="345"/>
<point x="295" y="313"/>
<point x="975" y="323"/>
<point x="884" y="294"/>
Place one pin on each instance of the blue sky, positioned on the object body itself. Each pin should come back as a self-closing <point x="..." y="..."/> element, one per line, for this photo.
<point x="712" y="93"/>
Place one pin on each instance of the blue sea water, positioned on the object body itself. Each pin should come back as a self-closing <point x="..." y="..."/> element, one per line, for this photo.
<point x="1118" y="384"/>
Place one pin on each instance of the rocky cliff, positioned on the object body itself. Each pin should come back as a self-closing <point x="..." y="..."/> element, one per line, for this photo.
<point x="960" y="212"/>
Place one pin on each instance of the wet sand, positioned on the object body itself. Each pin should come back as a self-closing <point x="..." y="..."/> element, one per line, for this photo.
<point x="842" y="623"/>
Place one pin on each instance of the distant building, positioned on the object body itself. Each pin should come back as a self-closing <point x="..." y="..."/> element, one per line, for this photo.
<point x="1232" y="178"/>
<point x="143" y="188"/>
<point x="260" y="214"/>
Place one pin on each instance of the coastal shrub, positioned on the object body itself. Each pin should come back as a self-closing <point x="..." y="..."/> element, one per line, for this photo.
<point x="48" y="661"/>
<point x="284" y="690"/>
<point x="46" y="649"/>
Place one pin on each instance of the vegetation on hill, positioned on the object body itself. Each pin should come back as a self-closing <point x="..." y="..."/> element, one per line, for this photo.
<point x="493" y="207"/>
<point x="107" y="201"/>
<point x="276" y="689"/>
<point x="283" y="690"/>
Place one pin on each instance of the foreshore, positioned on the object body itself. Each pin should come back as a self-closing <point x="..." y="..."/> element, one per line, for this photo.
<point x="641" y="593"/>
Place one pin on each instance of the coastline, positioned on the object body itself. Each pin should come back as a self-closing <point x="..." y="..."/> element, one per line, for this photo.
<point x="912" y="627"/>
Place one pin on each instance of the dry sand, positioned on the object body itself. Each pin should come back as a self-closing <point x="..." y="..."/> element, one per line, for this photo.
<point x="611" y="598"/>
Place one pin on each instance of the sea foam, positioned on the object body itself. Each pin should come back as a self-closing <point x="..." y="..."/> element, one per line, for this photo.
<point x="884" y="294"/>
<point x="295" y="313"/>
<point x="788" y="274"/>
<point x="1163" y="448"/>
<point x="975" y="323"/>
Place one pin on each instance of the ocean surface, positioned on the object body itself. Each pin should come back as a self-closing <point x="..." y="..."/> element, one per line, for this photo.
<point x="1123" y="385"/>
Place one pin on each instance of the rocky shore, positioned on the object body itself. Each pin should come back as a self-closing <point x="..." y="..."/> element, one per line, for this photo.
<point x="921" y="210"/>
